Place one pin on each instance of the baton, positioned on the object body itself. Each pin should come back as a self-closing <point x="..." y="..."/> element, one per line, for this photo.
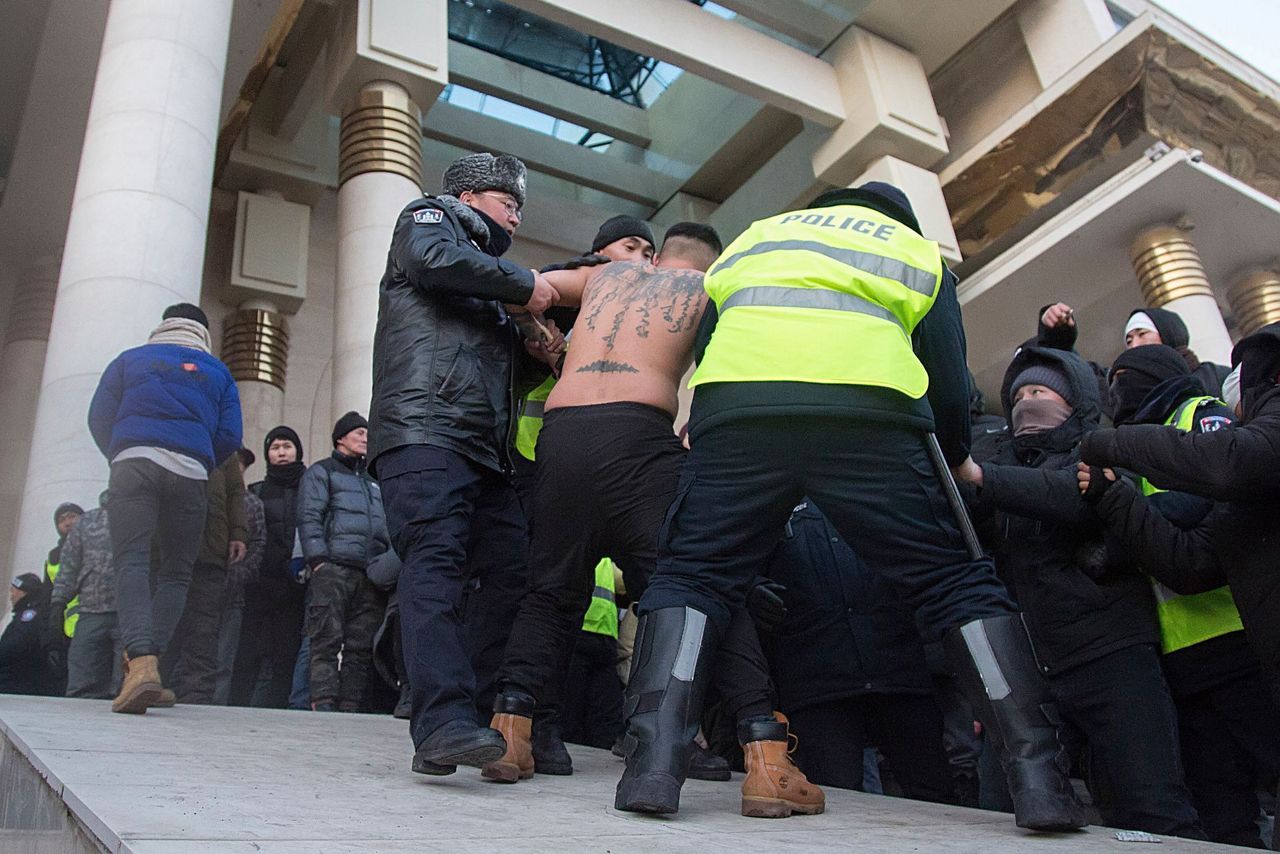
<point x="953" y="497"/>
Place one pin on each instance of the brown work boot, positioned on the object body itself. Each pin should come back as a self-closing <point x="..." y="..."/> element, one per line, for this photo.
<point x="774" y="787"/>
<point x="513" y="717"/>
<point x="141" y="687"/>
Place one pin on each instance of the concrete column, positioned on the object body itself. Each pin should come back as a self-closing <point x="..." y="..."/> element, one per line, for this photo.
<point x="1060" y="33"/>
<point x="1171" y="276"/>
<point x="380" y="171"/>
<point x="22" y="358"/>
<point x="135" y="239"/>
<point x="1255" y="300"/>
<point x="255" y="348"/>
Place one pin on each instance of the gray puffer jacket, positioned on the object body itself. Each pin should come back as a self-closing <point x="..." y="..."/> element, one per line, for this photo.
<point x="340" y="517"/>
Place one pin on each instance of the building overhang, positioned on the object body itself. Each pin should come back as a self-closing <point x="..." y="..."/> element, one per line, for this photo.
<point x="1081" y="257"/>
<point x="1153" y="82"/>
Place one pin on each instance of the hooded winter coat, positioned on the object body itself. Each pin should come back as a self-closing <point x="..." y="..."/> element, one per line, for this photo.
<point x="1238" y="542"/>
<point x="445" y="353"/>
<point x="1048" y="542"/>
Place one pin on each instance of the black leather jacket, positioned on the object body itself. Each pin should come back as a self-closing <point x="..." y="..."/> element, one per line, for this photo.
<point x="445" y="354"/>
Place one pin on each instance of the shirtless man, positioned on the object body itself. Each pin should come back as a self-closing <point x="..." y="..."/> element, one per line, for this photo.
<point x="608" y="469"/>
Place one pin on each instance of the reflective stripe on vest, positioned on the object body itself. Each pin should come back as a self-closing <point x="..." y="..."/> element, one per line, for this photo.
<point x="602" y="616"/>
<point x="529" y="425"/>
<point x="824" y="296"/>
<point x="70" y="617"/>
<point x="1188" y="620"/>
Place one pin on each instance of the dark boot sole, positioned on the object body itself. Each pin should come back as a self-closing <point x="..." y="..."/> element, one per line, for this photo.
<point x="722" y="775"/>
<point x="139" y="700"/>
<point x="655" y="794"/>
<point x="554" y="769"/>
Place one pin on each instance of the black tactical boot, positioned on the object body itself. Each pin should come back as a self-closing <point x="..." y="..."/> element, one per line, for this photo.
<point x="996" y="666"/>
<point x="549" y="753"/>
<point x="705" y="765"/>
<point x="664" y="699"/>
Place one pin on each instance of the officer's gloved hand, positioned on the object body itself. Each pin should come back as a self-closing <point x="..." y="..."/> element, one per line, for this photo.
<point x="590" y="260"/>
<point x="765" y="604"/>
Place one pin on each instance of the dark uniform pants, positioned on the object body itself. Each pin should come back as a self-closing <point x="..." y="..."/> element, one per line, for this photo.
<point x="344" y="612"/>
<point x="606" y="476"/>
<point x="1122" y="706"/>
<point x="270" y="635"/>
<point x="907" y="728"/>
<point x="452" y="522"/>
<point x="875" y="483"/>
<point x="592" y="708"/>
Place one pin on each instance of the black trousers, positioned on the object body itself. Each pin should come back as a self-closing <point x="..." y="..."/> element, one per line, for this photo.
<point x="591" y="712"/>
<point x="270" y="634"/>
<point x="452" y="521"/>
<point x="1231" y="747"/>
<point x="876" y="484"/>
<point x="1122" y="706"/>
<point x="606" y="477"/>
<point x="830" y="738"/>
<point x="191" y="662"/>
<point x="343" y="614"/>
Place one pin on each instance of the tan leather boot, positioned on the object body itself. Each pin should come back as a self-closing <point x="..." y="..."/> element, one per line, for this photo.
<point x="774" y="787"/>
<point x="141" y="687"/>
<point x="513" y="717"/>
<point x="167" y="700"/>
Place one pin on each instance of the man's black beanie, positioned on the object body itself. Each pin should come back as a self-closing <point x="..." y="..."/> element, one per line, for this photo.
<point x="65" y="508"/>
<point x="351" y="421"/>
<point x="188" y="311"/>
<point x="618" y="227"/>
<point x="282" y="432"/>
<point x="877" y="195"/>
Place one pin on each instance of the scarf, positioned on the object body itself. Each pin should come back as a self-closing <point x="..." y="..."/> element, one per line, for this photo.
<point x="184" y="333"/>
<point x="285" y="474"/>
<point x="1034" y="415"/>
<point x="487" y="234"/>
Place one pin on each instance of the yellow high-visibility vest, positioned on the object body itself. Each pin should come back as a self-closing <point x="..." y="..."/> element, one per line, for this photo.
<point x="1188" y="620"/>
<point x="529" y="424"/>
<point x="602" y="616"/>
<point x="828" y="295"/>
<point x="71" y="615"/>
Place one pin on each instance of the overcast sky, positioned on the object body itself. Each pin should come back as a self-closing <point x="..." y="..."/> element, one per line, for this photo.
<point x="1248" y="28"/>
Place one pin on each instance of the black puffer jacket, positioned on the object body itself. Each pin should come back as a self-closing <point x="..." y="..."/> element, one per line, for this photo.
<point x="1048" y="543"/>
<point x="340" y="517"/>
<point x="445" y="353"/>
<point x="279" y="496"/>
<point x="846" y="632"/>
<point x="1239" y="541"/>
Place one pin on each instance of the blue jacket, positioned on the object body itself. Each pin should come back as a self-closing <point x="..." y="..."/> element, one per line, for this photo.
<point x="167" y="396"/>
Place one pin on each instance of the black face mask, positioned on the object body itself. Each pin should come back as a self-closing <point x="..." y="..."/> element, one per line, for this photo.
<point x="1127" y="395"/>
<point x="286" y="474"/>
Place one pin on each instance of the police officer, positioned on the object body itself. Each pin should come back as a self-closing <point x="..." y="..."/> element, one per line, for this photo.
<point x="447" y="368"/>
<point x="24" y="664"/>
<point x="837" y="344"/>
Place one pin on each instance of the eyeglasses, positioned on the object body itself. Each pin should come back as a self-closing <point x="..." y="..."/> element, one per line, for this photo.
<point x="510" y="205"/>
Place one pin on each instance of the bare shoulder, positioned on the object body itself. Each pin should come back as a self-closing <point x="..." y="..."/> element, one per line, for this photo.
<point x="628" y="278"/>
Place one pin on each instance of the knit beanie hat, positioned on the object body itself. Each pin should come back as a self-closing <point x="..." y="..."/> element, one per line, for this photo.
<point x="65" y="508"/>
<point x="485" y="171"/>
<point x="282" y="432"/>
<point x="188" y="311"/>
<point x="618" y="227"/>
<point x="351" y="421"/>
<point x="1173" y="332"/>
<point x="1047" y="376"/>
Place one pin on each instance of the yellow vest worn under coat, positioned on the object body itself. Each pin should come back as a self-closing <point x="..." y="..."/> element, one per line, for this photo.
<point x="829" y="295"/>
<point x="529" y="424"/>
<point x="1189" y="620"/>
<point x="71" y="615"/>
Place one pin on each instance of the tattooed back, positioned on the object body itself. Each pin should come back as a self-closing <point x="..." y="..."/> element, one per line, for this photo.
<point x="634" y="337"/>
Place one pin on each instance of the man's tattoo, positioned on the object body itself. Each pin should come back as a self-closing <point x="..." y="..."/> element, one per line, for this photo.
<point x="677" y="295"/>
<point x="606" y="366"/>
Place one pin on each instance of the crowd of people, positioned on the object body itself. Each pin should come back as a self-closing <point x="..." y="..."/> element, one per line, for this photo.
<point x="842" y="551"/>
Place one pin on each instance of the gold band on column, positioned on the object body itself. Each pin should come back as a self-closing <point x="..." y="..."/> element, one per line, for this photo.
<point x="381" y="132"/>
<point x="1168" y="266"/>
<point x="1255" y="300"/>
<point x="255" y="346"/>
